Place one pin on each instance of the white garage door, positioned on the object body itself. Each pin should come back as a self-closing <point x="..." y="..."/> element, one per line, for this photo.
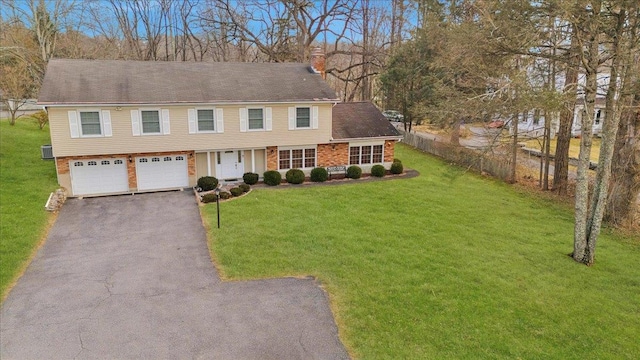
<point x="99" y="176"/>
<point x="162" y="172"/>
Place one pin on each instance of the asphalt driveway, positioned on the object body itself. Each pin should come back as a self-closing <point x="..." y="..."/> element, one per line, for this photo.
<point x="131" y="277"/>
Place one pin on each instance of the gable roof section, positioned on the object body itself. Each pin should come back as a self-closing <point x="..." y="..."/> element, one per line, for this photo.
<point x="357" y="120"/>
<point x="154" y="82"/>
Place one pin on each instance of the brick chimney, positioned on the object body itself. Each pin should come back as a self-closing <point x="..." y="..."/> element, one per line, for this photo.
<point x="317" y="60"/>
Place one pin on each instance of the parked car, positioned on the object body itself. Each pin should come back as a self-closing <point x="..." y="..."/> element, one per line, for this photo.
<point x="496" y="124"/>
<point x="393" y="115"/>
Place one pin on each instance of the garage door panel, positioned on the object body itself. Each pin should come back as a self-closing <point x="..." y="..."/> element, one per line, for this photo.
<point x="162" y="172"/>
<point x="99" y="176"/>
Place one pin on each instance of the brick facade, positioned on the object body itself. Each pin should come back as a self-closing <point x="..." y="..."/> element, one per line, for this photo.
<point x="272" y="158"/>
<point x="63" y="163"/>
<point x="333" y="154"/>
<point x="389" y="147"/>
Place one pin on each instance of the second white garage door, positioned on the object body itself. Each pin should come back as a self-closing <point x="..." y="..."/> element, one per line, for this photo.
<point x="162" y="172"/>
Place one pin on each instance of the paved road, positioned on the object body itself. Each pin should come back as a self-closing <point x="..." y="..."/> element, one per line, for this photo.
<point x="130" y="277"/>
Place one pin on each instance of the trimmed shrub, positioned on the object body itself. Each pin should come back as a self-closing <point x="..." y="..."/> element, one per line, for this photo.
<point x="244" y="187"/>
<point x="250" y="178"/>
<point x="209" y="198"/>
<point x="396" y="167"/>
<point x="207" y="183"/>
<point x="272" y="178"/>
<point x="319" y="174"/>
<point x="378" y="170"/>
<point x="294" y="176"/>
<point x="396" y="160"/>
<point x="236" y="191"/>
<point x="224" y="195"/>
<point x="354" y="172"/>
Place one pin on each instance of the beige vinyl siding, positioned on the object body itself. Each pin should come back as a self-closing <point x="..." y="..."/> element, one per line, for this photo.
<point x="123" y="141"/>
<point x="201" y="165"/>
<point x="247" y="161"/>
<point x="212" y="159"/>
<point x="260" y="161"/>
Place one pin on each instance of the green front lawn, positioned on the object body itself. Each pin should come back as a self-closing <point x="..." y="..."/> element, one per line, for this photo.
<point x="445" y="265"/>
<point x="25" y="184"/>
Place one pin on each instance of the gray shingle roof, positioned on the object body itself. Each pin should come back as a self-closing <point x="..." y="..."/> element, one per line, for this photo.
<point x="154" y="82"/>
<point x="360" y="120"/>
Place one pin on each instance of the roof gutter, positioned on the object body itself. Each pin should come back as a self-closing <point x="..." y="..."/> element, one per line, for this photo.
<point x="187" y="103"/>
<point x="367" y="138"/>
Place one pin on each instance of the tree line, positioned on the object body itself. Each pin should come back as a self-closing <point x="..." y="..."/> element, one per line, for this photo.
<point x="357" y="36"/>
<point x="494" y="59"/>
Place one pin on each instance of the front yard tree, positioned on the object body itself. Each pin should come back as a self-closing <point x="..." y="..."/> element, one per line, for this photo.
<point x="17" y="85"/>
<point x="618" y="24"/>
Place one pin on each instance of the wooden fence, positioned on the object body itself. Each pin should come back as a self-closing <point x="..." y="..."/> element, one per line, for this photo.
<point x="469" y="158"/>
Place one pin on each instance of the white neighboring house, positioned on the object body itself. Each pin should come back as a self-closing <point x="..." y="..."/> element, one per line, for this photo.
<point x="26" y="107"/>
<point x="599" y="111"/>
<point x="598" y="116"/>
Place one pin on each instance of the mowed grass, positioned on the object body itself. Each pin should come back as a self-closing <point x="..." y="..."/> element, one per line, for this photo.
<point x="25" y="184"/>
<point x="445" y="265"/>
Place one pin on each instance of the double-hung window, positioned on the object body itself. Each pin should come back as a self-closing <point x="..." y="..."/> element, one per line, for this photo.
<point x="206" y="120"/>
<point x="256" y="119"/>
<point x="303" y="117"/>
<point x="297" y="159"/>
<point x="365" y="154"/>
<point x="90" y="123"/>
<point x="150" y="121"/>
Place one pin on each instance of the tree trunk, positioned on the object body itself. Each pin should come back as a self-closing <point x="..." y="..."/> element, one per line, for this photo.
<point x="561" y="161"/>
<point x="581" y="248"/>
<point x="514" y="149"/>
<point x="622" y="204"/>
<point x="622" y="201"/>
<point x="455" y="133"/>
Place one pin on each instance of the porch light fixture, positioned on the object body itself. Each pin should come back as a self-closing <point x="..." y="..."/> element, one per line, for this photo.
<point x="118" y="108"/>
<point x="130" y="158"/>
<point x="333" y="146"/>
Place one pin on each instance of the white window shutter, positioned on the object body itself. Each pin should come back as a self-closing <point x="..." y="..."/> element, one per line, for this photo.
<point x="244" y="114"/>
<point x="268" y="120"/>
<point x="166" y="124"/>
<point x="106" y="123"/>
<point x="314" y="120"/>
<point x="292" y="118"/>
<point x="73" y="124"/>
<point x="135" y="122"/>
<point x="191" y="115"/>
<point x="219" y="120"/>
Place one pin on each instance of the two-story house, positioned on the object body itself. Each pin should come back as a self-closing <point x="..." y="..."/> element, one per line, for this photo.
<point x="134" y="126"/>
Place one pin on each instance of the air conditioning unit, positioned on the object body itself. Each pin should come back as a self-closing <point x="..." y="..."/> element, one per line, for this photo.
<point x="47" y="152"/>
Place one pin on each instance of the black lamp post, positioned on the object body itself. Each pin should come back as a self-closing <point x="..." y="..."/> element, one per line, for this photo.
<point x="217" y="191"/>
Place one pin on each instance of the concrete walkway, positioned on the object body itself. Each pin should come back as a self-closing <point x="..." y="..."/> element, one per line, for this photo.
<point x="131" y="277"/>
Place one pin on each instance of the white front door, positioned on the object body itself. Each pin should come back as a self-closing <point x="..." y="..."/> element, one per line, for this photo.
<point x="230" y="164"/>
